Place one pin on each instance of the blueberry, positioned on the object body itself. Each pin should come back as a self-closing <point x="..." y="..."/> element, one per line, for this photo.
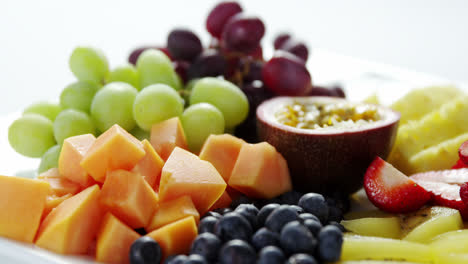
<point x="265" y="212"/>
<point x="223" y="211"/>
<point x="301" y="259"/>
<point x="313" y="226"/>
<point x="175" y="259"/>
<point x="240" y="200"/>
<point x="271" y="255"/>
<point x="335" y="213"/>
<point x="315" y="204"/>
<point x="280" y="217"/>
<point x="237" y="252"/>
<point x="264" y="237"/>
<point x="330" y="241"/>
<point x="296" y="238"/>
<point x="207" y="224"/>
<point x="145" y="250"/>
<point x="249" y="211"/>
<point x="196" y="259"/>
<point x="291" y="197"/>
<point x="298" y="209"/>
<point x="206" y="245"/>
<point x="213" y="214"/>
<point x="340" y="226"/>
<point x="305" y="216"/>
<point x="233" y="226"/>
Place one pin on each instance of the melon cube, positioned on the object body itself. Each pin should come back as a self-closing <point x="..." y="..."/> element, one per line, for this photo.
<point x="173" y="210"/>
<point x="73" y="224"/>
<point x="53" y="201"/>
<point x="22" y="202"/>
<point x="73" y="150"/>
<point x="114" y="149"/>
<point x="260" y="172"/>
<point x="129" y="197"/>
<point x="167" y="135"/>
<point x="186" y="174"/>
<point x="222" y="152"/>
<point x="150" y="165"/>
<point x="223" y="202"/>
<point x="114" y="241"/>
<point x="59" y="185"/>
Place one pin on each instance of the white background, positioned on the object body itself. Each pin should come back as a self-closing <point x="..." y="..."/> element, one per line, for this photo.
<point x="36" y="37"/>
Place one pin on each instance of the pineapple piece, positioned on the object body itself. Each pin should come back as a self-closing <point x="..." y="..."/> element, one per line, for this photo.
<point x="451" y="242"/>
<point x="388" y="227"/>
<point x="450" y="120"/>
<point x="438" y="157"/>
<point x="426" y="223"/>
<point x="368" y="213"/>
<point x="372" y="99"/>
<point x="375" y="248"/>
<point x="450" y="258"/>
<point x="376" y="262"/>
<point x="419" y="102"/>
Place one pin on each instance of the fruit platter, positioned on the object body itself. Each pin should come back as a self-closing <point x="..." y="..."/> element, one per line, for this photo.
<point x="223" y="153"/>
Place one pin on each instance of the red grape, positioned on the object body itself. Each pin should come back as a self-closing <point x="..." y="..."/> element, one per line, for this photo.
<point x="181" y="67"/>
<point x="251" y="69"/>
<point x="296" y="47"/>
<point x="280" y="40"/>
<point x="257" y="53"/>
<point x="209" y="63"/>
<point x="183" y="44"/>
<point x="243" y="33"/>
<point x="286" y="74"/>
<point x="133" y="57"/>
<point x="334" y="91"/>
<point x="219" y="15"/>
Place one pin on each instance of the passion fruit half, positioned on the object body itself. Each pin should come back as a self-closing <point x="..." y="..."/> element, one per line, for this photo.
<point x="329" y="155"/>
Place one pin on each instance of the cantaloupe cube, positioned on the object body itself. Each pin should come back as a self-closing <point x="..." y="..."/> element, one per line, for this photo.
<point x="114" y="241"/>
<point x="59" y="185"/>
<point x="222" y="152"/>
<point x="260" y="172"/>
<point x="150" y="165"/>
<point x="21" y="204"/>
<point x="173" y="210"/>
<point x="114" y="149"/>
<point x="73" y="150"/>
<point x="53" y="201"/>
<point x="223" y="202"/>
<point x="177" y="237"/>
<point x="71" y="226"/>
<point x="167" y="135"/>
<point x="129" y="197"/>
<point x="186" y="174"/>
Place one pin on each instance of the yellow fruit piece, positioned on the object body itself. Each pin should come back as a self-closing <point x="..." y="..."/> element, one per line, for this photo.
<point x="419" y="102"/>
<point x="375" y="262"/>
<point x="368" y="213"/>
<point x="375" y="248"/>
<point x="429" y="222"/>
<point x="450" y="258"/>
<point x="439" y="157"/>
<point x="372" y="99"/>
<point x="388" y="227"/>
<point x="451" y="242"/>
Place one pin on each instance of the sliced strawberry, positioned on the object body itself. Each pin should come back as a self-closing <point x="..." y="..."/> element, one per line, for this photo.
<point x="445" y="187"/>
<point x="463" y="153"/>
<point x="392" y="191"/>
<point x="464" y="193"/>
<point x="460" y="164"/>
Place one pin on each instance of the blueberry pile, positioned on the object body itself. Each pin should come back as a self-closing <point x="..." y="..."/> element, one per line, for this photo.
<point x="292" y="228"/>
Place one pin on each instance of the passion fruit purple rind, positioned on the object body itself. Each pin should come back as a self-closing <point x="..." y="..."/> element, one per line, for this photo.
<point x="331" y="159"/>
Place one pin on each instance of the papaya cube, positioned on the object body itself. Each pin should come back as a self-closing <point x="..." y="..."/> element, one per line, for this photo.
<point x="167" y="135"/>
<point x="129" y="197"/>
<point x="53" y="201"/>
<point x="73" y="224"/>
<point x="114" y="241"/>
<point x="260" y="172"/>
<point x="59" y="185"/>
<point x="114" y="149"/>
<point x="186" y="174"/>
<point x="173" y="210"/>
<point x="150" y="165"/>
<point x="223" y="202"/>
<point x="222" y="152"/>
<point x="21" y="204"/>
<point x="177" y="237"/>
<point x="71" y="155"/>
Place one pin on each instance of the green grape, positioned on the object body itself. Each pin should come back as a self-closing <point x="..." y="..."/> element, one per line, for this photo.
<point x="126" y="73"/>
<point x="156" y="103"/>
<point x="71" y="122"/>
<point x="226" y="96"/>
<point x="185" y="93"/>
<point x="140" y="133"/>
<point x="155" y="67"/>
<point x="79" y="95"/>
<point x="89" y="64"/>
<point x="31" y="135"/>
<point x="50" y="159"/>
<point x="199" y="121"/>
<point x="47" y="109"/>
<point x="113" y="104"/>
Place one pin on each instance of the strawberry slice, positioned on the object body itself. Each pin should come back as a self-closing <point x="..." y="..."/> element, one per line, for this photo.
<point x="391" y="190"/>
<point x="460" y="164"/>
<point x="445" y="187"/>
<point x="464" y="193"/>
<point x="463" y="153"/>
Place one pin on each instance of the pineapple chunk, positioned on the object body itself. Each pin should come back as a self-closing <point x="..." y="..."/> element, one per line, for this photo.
<point x="376" y="262"/>
<point x="372" y="99"/>
<point x="450" y="258"/>
<point x="374" y="226"/>
<point x="438" y="157"/>
<point x="429" y="222"/>
<point x="368" y="213"/>
<point x="374" y="248"/>
<point x="451" y="242"/>
<point x="419" y="102"/>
